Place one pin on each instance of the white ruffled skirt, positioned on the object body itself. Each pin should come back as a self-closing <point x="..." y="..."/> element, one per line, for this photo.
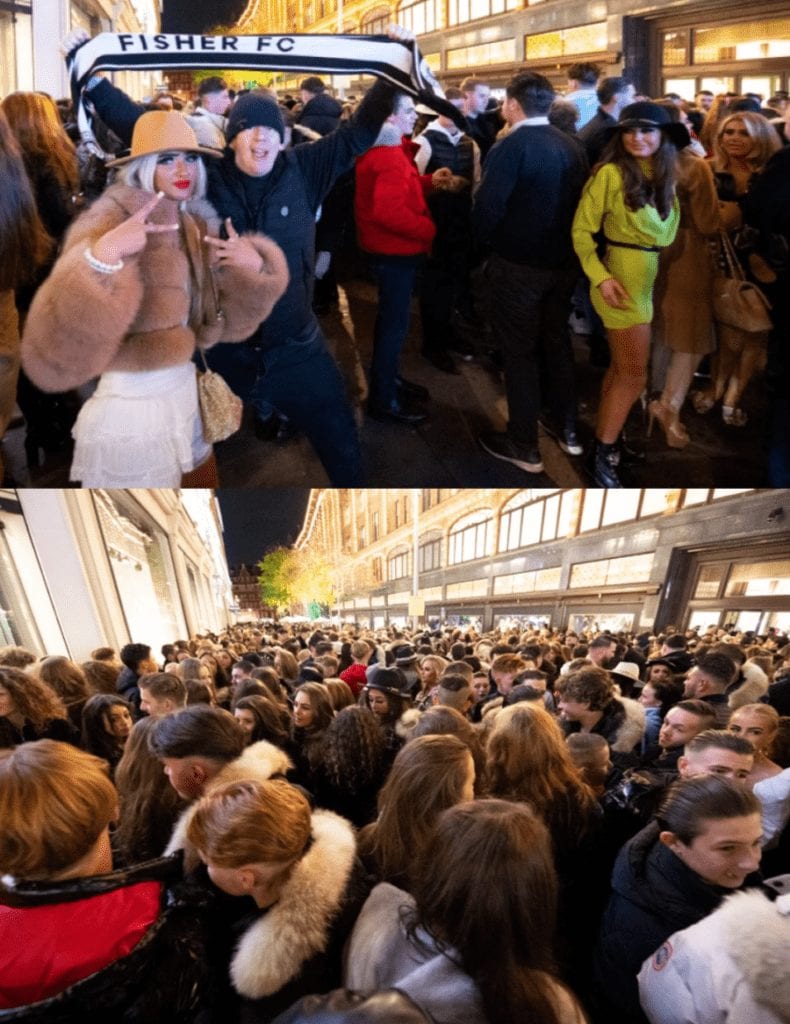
<point x="140" y="429"/>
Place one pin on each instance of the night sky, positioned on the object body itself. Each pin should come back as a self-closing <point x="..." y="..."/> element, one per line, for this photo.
<point x="198" y="15"/>
<point x="256" y="520"/>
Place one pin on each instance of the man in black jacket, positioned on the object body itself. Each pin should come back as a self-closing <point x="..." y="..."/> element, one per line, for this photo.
<point x="523" y="210"/>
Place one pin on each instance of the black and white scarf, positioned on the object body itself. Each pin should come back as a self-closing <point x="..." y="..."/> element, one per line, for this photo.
<point x="397" y="62"/>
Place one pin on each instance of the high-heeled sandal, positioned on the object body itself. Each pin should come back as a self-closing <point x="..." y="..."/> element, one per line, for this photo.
<point x="675" y="433"/>
<point x="702" y="402"/>
<point x="734" y="417"/>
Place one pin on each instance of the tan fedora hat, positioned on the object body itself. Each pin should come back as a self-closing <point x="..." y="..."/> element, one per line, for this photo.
<point x="163" y="131"/>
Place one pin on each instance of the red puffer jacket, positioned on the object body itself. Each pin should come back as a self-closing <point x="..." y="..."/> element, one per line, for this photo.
<point x="390" y="209"/>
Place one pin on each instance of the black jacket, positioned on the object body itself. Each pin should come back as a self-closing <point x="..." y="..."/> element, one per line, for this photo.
<point x="531" y="187"/>
<point x="127" y="687"/>
<point x="321" y="114"/>
<point x="166" y="977"/>
<point x="593" y="135"/>
<point x="654" y="894"/>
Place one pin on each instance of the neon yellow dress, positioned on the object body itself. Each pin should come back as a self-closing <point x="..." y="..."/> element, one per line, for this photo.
<point x="602" y="208"/>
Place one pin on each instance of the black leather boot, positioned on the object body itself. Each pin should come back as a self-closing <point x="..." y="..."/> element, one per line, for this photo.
<point x="606" y="461"/>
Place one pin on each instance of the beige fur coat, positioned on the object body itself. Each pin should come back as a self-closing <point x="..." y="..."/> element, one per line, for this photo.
<point x="148" y="315"/>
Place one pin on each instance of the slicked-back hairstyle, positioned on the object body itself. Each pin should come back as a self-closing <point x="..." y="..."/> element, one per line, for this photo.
<point x="251" y="823"/>
<point x="695" y="706"/>
<point x="165" y="684"/>
<point x="534" y="93"/>
<point x="55" y="801"/>
<point x="504" y="940"/>
<point x="454" y="691"/>
<point x="198" y="731"/>
<point x="719" y="667"/>
<point x="588" y="684"/>
<point x="720" y="739"/>
<point x="690" y="803"/>
<point x="508" y="664"/>
<point x="587" y="74"/>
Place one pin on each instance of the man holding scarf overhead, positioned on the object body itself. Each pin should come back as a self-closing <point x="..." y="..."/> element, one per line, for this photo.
<point x="261" y="187"/>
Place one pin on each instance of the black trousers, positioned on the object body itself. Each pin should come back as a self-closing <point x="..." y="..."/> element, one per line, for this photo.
<point x="528" y="311"/>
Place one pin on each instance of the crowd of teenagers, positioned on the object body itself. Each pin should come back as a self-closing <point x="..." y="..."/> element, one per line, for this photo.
<point x="287" y="824"/>
<point x="218" y="229"/>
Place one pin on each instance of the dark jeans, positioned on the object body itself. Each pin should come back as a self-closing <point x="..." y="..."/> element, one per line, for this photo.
<point x="302" y="381"/>
<point x="528" y="311"/>
<point x="395" y="280"/>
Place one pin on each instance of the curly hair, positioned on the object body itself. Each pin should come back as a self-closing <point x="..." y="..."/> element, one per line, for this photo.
<point x="354" y="749"/>
<point x="33" y="699"/>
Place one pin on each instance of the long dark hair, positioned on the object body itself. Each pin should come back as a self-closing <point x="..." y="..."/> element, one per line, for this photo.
<point x="505" y="938"/>
<point x="24" y="244"/>
<point x="638" y="189"/>
<point x="96" y="736"/>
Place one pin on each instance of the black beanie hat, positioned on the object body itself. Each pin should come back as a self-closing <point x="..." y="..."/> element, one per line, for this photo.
<point x="253" y="110"/>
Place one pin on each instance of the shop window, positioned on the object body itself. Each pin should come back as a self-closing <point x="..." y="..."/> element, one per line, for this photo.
<point x="461" y="11"/>
<point x="620" y="506"/>
<point x="591" y="509"/>
<point x="16" y="48"/>
<point x="398" y="566"/>
<point x="503" y="51"/>
<point x="431" y="555"/>
<point x="750" y="40"/>
<point x="695" y="496"/>
<point x="375" y="24"/>
<point x="718" y="85"/>
<point x="685" y="87"/>
<point x="708" y="582"/>
<point x="580" y="39"/>
<point x="469" y="588"/>
<point x="675" y="48"/>
<point x="140" y="560"/>
<point x="763" y="579"/>
<point x="608" y="572"/>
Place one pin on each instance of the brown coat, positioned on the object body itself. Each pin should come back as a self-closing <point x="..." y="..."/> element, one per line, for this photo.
<point x="683" y="292"/>
<point x="146" y="316"/>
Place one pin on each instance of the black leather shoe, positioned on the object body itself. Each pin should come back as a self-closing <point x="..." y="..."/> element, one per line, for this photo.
<point x="630" y="454"/>
<point x="605" y="461"/>
<point x="397" y="413"/>
<point x="286" y="430"/>
<point x="266" y="429"/>
<point x="408" y="389"/>
<point x="441" y="360"/>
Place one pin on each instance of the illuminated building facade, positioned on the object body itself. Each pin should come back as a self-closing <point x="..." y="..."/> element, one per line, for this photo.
<point x="80" y="569"/>
<point x="628" y="559"/>
<point x="679" y="47"/>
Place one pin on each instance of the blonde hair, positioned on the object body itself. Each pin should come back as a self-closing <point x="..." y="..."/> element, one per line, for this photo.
<point x="139" y="173"/>
<point x="251" y="823"/>
<point x="55" y="801"/>
<point x="762" y="133"/>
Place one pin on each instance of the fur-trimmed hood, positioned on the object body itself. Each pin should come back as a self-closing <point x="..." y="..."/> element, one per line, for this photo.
<point x="757" y="937"/>
<point x="276" y="946"/>
<point x="753" y="687"/>
<point x="259" y="762"/>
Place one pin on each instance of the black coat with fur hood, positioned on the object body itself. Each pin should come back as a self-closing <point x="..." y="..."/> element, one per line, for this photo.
<point x="145" y="316"/>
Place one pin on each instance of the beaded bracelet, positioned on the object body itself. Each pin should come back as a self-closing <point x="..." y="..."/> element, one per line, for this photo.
<point x="103" y="268"/>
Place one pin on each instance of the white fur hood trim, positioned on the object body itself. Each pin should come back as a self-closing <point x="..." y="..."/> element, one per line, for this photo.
<point x="632" y="729"/>
<point x="273" y="950"/>
<point x="754" y="685"/>
<point x="260" y="761"/>
<point x="757" y="937"/>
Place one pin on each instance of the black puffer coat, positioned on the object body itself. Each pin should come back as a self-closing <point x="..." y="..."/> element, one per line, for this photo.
<point x="321" y="114"/>
<point x="165" y="977"/>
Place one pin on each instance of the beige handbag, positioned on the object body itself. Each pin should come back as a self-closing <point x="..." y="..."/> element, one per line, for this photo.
<point x="220" y="408"/>
<point x="737" y="303"/>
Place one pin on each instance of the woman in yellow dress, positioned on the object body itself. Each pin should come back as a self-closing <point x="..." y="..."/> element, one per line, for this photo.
<point x="629" y="200"/>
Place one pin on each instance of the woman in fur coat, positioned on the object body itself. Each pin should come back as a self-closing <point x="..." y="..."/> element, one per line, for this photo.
<point x="142" y="281"/>
<point x="259" y="839"/>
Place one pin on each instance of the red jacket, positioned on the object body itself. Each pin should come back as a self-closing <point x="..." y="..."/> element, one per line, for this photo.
<point x="390" y="209"/>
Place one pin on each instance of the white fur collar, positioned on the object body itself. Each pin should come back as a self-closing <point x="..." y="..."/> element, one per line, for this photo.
<point x="259" y="761"/>
<point x="757" y="938"/>
<point x="273" y="950"/>
<point x="632" y="729"/>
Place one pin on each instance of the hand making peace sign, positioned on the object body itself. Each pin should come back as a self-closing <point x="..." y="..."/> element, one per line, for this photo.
<point x="130" y="235"/>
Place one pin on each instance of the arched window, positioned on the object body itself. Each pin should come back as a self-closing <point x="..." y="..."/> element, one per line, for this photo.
<point x="375" y="22"/>
<point x="398" y="563"/>
<point x="533" y="516"/>
<point x="431" y="551"/>
<point x="469" y="537"/>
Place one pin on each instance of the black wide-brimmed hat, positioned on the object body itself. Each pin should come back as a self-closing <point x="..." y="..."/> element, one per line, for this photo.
<point x="644" y="114"/>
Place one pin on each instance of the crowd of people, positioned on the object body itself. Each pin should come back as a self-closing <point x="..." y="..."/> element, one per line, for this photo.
<point x="284" y="823"/>
<point x="598" y="212"/>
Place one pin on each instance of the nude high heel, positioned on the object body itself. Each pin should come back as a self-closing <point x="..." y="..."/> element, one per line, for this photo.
<point x="675" y="433"/>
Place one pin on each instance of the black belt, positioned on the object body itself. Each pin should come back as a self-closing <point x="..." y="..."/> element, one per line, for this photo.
<point x="630" y="245"/>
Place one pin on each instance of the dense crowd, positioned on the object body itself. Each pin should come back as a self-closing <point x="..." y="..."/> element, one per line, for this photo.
<point x="297" y="824"/>
<point x="220" y="231"/>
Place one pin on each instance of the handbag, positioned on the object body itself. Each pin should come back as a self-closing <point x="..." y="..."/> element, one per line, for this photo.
<point x="220" y="408"/>
<point x="737" y="302"/>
